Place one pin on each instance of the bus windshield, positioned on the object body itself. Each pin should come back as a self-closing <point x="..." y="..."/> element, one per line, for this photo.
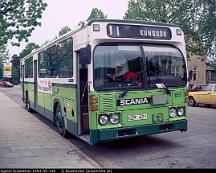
<point x="119" y="67"/>
<point x="165" y="65"/>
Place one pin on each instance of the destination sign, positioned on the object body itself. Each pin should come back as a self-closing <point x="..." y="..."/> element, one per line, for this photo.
<point x="142" y="32"/>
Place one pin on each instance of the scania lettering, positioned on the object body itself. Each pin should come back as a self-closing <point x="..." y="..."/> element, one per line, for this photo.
<point x="110" y="79"/>
<point x="134" y="101"/>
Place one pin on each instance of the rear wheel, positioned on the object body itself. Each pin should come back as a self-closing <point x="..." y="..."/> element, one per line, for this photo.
<point x="59" y="121"/>
<point x="192" y="102"/>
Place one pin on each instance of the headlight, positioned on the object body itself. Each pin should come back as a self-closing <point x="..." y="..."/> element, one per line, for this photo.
<point x="114" y="118"/>
<point x="172" y="112"/>
<point x="103" y="119"/>
<point x="180" y="111"/>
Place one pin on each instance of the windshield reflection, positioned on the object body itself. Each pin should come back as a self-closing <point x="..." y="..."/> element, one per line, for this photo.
<point x="122" y="67"/>
<point x="165" y="65"/>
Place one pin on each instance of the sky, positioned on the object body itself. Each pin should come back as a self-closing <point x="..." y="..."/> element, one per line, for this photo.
<point x="60" y="13"/>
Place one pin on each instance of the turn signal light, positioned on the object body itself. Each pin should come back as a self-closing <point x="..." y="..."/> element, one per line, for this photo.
<point x="93" y="107"/>
<point x="93" y="103"/>
<point x="93" y="100"/>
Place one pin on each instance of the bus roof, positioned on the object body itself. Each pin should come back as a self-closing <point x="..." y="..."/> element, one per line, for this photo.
<point x="99" y="21"/>
<point x="129" y="22"/>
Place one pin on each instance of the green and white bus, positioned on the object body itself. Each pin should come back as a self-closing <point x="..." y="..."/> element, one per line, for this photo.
<point x="110" y="79"/>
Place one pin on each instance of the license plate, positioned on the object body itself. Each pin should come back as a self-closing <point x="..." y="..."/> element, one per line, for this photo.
<point x="137" y="117"/>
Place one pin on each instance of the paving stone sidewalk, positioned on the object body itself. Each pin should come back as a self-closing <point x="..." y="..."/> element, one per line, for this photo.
<point x="27" y="142"/>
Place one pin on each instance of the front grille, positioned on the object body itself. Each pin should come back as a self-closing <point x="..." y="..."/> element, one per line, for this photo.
<point x="107" y="103"/>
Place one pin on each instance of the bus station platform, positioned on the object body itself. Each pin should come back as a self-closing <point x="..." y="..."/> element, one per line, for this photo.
<point x="27" y="142"/>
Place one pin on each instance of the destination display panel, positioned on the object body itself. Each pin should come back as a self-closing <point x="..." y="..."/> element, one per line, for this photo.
<point x="137" y="31"/>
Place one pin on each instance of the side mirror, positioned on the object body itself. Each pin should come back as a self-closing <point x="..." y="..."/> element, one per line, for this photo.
<point x="190" y="75"/>
<point x="85" y="55"/>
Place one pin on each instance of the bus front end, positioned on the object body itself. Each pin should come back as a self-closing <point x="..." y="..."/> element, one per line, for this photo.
<point x="138" y="82"/>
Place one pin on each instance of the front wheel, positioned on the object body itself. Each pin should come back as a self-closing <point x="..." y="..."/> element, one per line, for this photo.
<point x="59" y="121"/>
<point x="192" y="102"/>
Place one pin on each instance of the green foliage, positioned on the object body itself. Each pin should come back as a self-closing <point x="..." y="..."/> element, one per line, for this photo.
<point x="3" y="53"/>
<point x="1" y="71"/>
<point x="28" y="49"/>
<point x="18" y="18"/>
<point x="3" y="58"/>
<point x="212" y="56"/>
<point x="64" y="30"/>
<point x="81" y="24"/>
<point x="96" y="14"/>
<point x="15" y="75"/>
<point x="195" y="17"/>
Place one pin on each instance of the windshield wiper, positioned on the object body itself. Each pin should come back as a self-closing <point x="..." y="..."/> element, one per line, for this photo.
<point x="124" y="93"/>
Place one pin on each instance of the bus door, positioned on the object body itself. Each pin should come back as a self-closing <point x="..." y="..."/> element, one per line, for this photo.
<point x="35" y="84"/>
<point x="82" y="89"/>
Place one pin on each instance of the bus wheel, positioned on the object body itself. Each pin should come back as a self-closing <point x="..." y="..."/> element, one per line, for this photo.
<point x="59" y="121"/>
<point x="192" y="102"/>
<point x="29" y="109"/>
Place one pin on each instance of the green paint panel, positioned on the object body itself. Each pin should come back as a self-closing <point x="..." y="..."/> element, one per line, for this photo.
<point x="65" y="94"/>
<point x="112" y="134"/>
<point x="67" y="98"/>
<point x="108" y="105"/>
<point x="178" y="97"/>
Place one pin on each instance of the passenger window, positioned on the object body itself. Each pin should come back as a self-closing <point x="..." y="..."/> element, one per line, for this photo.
<point x="52" y="62"/>
<point x="21" y="71"/>
<point x="65" y="58"/>
<point x="42" y="65"/>
<point x="26" y="68"/>
<point x="215" y="88"/>
<point x="29" y="68"/>
<point x="209" y="88"/>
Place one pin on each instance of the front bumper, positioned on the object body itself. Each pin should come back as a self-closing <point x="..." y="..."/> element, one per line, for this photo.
<point x="118" y="133"/>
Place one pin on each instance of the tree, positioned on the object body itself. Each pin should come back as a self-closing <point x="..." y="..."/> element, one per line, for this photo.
<point x="96" y="14"/>
<point x="64" y="30"/>
<point x="193" y="16"/>
<point x="18" y="18"/>
<point x="81" y="24"/>
<point x="15" y="74"/>
<point x="28" y="49"/>
<point x="3" y="58"/>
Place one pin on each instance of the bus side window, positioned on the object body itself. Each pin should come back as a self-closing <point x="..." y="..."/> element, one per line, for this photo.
<point x="30" y="69"/>
<point x="42" y="65"/>
<point x="65" y="59"/>
<point x="26" y="68"/>
<point x="52" y="62"/>
<point x="21" y="71"/>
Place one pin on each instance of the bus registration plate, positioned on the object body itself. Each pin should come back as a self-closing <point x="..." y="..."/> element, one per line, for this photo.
<point x="137" y="117"/>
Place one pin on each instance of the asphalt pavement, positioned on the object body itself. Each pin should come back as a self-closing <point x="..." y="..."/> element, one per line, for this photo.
<point x="27" y="142"/>
<point x="192" y="149"/>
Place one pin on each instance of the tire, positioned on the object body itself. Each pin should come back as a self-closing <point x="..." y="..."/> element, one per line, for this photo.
<point x="208" y="105"/>
<point x="59" y="121"/>
<point x="192" y="102"/>
<point x="29" y="109"/>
